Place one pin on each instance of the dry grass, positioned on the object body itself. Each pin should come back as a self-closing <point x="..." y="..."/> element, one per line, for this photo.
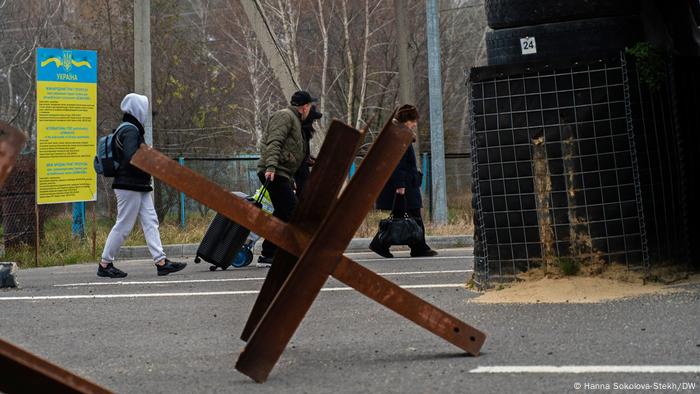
<point x="60" y="247"/>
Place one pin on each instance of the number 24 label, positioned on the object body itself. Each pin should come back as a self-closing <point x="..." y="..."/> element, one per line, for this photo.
<point x="528" y="45"/>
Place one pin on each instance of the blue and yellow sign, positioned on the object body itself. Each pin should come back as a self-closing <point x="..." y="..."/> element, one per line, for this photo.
<point x="66" y="94"/>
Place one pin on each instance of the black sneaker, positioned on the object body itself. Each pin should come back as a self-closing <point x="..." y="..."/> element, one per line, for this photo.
<point x="424" y="253"/>
<point x="169" y="267"/>
<point x="110" y="271"/>
<point x="264" y="262"/>
<point x="384" y="252"/>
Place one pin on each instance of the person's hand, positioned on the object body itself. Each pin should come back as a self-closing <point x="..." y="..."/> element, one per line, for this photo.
<point x="310" y="161"/>
<point x="270" y="175"/>
<point x="401" y="190"/>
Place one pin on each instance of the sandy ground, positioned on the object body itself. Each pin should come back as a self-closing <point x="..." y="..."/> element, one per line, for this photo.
<point x="615" y="283"/>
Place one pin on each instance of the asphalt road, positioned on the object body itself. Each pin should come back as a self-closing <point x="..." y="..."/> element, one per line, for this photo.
<point x="179" y="334"/>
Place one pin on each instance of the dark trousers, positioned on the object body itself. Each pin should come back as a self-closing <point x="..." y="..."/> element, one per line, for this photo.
<point x="284" y="201"/>
<point x="301" y="177"/>
<point x="420" y="246"/>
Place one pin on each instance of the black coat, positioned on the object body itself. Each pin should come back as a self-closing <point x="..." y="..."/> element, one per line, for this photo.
<point x="304" y="171"/>
<point x="129" y="177"/>
<point x="405" y="175"/>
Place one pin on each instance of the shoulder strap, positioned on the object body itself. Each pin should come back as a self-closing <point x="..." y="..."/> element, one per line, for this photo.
<point x="122" y="126"/>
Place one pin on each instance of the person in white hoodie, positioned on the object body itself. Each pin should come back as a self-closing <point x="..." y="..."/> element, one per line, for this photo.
<point x="133" y="190"/>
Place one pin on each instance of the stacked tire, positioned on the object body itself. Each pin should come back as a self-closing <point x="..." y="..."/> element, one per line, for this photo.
<point x="543" y="30"/>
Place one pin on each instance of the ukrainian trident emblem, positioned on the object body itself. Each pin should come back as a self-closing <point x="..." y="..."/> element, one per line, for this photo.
<point x="67" y="62"/>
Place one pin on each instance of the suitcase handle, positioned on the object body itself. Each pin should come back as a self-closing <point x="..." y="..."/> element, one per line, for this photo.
<point x="262" y="192"/>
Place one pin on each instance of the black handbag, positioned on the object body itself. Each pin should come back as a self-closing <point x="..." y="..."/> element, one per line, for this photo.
<point x="403" y="230"/>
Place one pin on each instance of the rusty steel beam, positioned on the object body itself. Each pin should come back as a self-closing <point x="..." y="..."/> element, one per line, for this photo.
<point x="347" y="271"/>
<point x="321" y="257"/>
<point x="11" y="144"/>
<point x="24" y="372"/>
<point x="330" y="171"/>
<point x="410" y="306"/>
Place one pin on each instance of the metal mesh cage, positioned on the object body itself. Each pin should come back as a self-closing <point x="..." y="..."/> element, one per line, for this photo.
<point x="556" y="168"/>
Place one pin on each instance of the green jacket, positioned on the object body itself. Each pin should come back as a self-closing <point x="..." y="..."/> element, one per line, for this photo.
<point x="282" y="144"/>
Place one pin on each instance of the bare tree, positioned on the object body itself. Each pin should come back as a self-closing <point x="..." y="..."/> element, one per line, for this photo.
<point x="350" y="65"/>
<point x="324" y="24"/>
<point x="24" y="26"/>
<point x="367" y="37"/>
<point x="284" y="16"/>
<point x="261" y="91"/>
<point x="363" y="78"/>
<point x="214" y="88"/>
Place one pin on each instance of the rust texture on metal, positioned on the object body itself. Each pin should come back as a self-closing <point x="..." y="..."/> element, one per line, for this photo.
<point x="11" y="144"/>
<point x="24" y="372"/>
<point x="320" y="258"/>
<point x="330" y="171"/>
<point x="410" y="306"/>
<point x="332" y="165"/>
<point x="319" y="241"/>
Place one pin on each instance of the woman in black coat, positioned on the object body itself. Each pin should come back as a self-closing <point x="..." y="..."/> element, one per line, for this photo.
<point x="404" y="186"/>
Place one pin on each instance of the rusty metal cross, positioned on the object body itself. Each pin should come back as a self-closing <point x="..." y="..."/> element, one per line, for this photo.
<point x="311" y="245"/>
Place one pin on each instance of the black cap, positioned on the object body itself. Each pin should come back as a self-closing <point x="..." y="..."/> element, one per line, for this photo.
<point x="302" y="97"/>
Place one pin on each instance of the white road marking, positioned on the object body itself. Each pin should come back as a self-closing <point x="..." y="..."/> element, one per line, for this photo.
<point x="168" y="282"/>
<point x="589" y="369"/>
<point x="207" y="293"/>
<point x="406" y="251"/>
<point x="413" y="259"/>
<point x="159" y="282"/>
<point x="424" y="272"/>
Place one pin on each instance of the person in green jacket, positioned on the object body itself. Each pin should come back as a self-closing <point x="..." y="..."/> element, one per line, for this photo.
<point x="282" y="150"/>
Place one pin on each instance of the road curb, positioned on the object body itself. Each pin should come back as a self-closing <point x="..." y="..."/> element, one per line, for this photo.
<point x="356" y="245"/>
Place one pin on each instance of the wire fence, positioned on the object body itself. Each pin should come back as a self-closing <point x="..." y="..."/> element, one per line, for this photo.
<point x="240" y="174"/>
<point x="577" y="161"/>
<point x="18" y="203"/>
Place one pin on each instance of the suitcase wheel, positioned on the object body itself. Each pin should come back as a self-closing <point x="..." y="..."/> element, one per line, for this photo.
<point x="243" y="258"/>
<point x="197" y="260"/>
<point x="212" y="268"/>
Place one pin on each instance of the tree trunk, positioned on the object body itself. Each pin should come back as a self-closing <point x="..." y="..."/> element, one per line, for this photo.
<point x="286" y="14"/>
<point x="365" y="61"/>
<point x="350" y="67"/>
<point x="317" y="141"/>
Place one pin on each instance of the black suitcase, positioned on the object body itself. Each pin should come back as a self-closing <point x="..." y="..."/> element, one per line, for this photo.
<point x="222" y="241"/>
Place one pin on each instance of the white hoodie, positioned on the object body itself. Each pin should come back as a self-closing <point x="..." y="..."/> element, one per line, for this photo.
<point x="137" y="106"/>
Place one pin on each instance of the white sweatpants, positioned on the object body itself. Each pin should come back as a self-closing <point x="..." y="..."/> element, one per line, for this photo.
<point x="130" y="205"/>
